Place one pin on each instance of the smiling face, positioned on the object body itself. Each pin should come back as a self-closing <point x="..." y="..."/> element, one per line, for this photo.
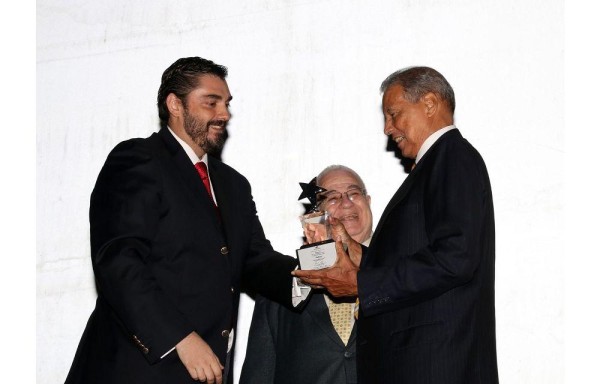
<point x="356" y="214"/>
<point x="206" y="113"/>
<point x="408" y="124"/>
<point x="200" y="119"/>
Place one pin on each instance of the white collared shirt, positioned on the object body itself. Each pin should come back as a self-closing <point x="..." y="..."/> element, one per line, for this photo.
<point x="431" y="140"/>
<point x="194" y="158"/>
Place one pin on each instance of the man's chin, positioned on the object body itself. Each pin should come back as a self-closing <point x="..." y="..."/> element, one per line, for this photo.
<point x="214" y="147"/>
<point x="214" y="137"/>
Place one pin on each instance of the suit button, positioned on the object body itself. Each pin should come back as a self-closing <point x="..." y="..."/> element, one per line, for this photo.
<point x="225" y="334"/>
<point x="348" y="354"/>
<point x="224" y="250"/>
<point x="145" y="350"/>
<point x="232" y="290"/>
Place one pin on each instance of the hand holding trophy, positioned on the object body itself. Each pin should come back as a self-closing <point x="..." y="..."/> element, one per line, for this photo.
<point x="319" y="252"/>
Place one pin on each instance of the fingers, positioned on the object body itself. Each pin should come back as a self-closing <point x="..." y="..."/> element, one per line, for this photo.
<point x="314" y="279"/>
<point x="343" y="259"/>
<point x="315" y="233"/>
<point x="341" y="253"/>
<point x="211" y="375"/>
<point x="340" y="279"/>
<point x="309" y="233"/>
<point x="199" y="359"/>
<point x="338" y="231"/>
<point x="355" y="252"/>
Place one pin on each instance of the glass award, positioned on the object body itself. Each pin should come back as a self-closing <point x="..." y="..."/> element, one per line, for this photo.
<point x="320" y="254"/>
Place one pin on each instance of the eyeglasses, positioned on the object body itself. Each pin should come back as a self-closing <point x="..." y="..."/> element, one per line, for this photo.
<point x="330" y="199"/>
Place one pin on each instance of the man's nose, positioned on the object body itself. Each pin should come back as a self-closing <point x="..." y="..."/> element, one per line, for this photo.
<point x="223" y="113"/>
<point x="346" y="200"/>
<point x="387" y="127"/>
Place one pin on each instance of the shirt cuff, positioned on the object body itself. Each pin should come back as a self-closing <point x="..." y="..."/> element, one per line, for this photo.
<point x="171" y="350"/>
<point x="300" y="291"/>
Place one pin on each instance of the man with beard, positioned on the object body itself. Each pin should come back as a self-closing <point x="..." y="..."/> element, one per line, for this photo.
<point x="174" y="237"/>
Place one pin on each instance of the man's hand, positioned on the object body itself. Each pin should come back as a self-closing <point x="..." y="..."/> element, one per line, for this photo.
<point x="315" y="233"/>
<point x="339" y="279"/>
<point x="199" y="359"/>
<point x="338" y="233"/>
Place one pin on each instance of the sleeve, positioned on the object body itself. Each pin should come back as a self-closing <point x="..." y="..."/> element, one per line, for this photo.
<point x="261" y="356"/>
<point x="266" y="271"/>
<point x="125" y="211"/>
<point x="453" y="214"/>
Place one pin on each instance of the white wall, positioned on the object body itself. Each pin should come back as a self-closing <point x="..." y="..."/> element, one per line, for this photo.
<point x="305" y="78"/>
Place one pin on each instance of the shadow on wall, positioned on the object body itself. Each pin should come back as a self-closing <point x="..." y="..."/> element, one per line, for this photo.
<point x="405" y="162"/>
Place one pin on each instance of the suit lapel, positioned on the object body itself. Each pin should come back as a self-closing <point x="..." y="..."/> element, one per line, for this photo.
<point x="397" y="198"/>
<point x="225" y="194"/>
<point x="409" y="182"/>
<point x="222" y="191"/>
<point x="182" y="166"/>
<point x="318" y="310"/>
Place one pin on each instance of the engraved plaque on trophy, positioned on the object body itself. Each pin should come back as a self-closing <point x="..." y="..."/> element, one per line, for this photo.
<point x="321" y="254"/>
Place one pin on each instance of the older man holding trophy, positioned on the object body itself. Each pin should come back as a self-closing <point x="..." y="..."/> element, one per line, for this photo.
<point x="317" y="345"/>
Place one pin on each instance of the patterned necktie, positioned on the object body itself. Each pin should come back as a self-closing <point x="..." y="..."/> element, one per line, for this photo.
<point x="203" y="172"/>
<point x="341" y="318"/>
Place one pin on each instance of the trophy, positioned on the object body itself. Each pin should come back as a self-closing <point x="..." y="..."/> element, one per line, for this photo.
<point x="320" y="254"/>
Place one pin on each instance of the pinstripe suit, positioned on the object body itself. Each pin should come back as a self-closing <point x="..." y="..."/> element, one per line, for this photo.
<point x="426" y="284"/>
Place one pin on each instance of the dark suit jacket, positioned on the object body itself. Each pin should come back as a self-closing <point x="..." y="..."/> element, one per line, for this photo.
<point x="426" y="284"/>
<point x="286" y="347"/>
<point x="165" y="265"/>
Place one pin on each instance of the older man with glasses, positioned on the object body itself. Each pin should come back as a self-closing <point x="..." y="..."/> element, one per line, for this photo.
<point x="317" y="345"/>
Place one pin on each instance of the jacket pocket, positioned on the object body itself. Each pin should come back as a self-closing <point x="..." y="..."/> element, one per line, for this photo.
<point x="419" y="334"/>
<point x="413" y="351"/>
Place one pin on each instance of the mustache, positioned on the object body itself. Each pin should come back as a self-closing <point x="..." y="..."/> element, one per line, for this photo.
<point x="218" y="123"/>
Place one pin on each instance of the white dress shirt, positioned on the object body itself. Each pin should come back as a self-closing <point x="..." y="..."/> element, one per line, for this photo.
<point x="194" y="159"/>
<point x="432" y="139"/>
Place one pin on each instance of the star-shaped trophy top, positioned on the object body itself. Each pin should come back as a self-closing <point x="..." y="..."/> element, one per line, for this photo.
<point x="310" y="191"/>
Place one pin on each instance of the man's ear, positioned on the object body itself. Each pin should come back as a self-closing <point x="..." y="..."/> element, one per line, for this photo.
<point x="431" y="102"/>
<point x="174" y="105"/>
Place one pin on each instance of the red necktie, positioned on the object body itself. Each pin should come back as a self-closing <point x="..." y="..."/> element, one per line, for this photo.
<point x="203" y="172"/>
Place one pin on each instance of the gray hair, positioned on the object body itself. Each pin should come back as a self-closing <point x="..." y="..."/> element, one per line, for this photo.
<point x="337" y="167"/>
<point x="418" y="81"/>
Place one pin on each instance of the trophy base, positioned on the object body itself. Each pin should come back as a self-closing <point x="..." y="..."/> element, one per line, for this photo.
<point x="317" y="255"/>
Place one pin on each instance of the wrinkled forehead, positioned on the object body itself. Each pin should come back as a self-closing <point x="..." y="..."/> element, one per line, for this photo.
<point x="339" y="180"/>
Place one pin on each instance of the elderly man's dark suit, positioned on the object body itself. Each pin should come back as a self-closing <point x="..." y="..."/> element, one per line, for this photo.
<point x="166" y="265"/>
<point x="286" y="347"/>
<point x="426" y="284"/>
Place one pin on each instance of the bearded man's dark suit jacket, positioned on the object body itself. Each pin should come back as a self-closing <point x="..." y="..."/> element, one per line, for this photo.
<point x="286" y="347"/>
<point x="426" y="283"/>
<point x="165" y="265"/>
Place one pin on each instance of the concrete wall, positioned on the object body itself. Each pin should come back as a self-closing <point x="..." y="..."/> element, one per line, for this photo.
<point x="305" y="78"/>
